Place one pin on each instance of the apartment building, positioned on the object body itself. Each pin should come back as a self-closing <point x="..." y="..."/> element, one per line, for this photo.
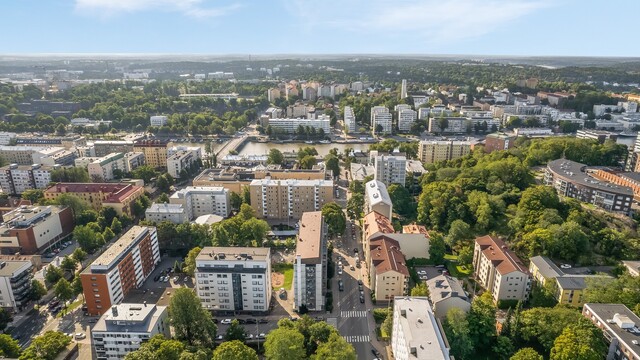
<point x="498" y="141"/>
<point x="158" y="120"/>
<point x="106" y="147"/>
<point x="406" y="119"/>
<point x="619" y="326"/>
<point x="446" y="293"/>
<point x="119" y="196"/>
<point x="290" y="126"/>
<point x="289" y="199"/>
<point x="389" y="169"/>
<point x="155" y="152"/>
<point x="7" y="138"/>
<point x="432" y="151"/>
<point x="349" y="120"/>
<point x="202" y="200"/>
<point x="173" y="213"/>
<point x="67" y="142"/>
<point x="387" y="269"/>
<point x="15" y="284"/>
<point x="103" y="168"/>
<point x="454" y="125"/>
<point x="381" y="121"/>
<point x="499" y="270"/>
<point x="234" y="278"/>
<point x="21" y="155"/>
<point x="16" y="179"/>
<point x="416" y="333"/>
<point x="374" y="225"/>
<point x="235" y="179"/>
<point x="181" y="161"/>
<point x="376" y="198"/>
<point x="625" y="179"/>
<point x="574" y="180"/>
<point x="126" y="326"/>
<point x="310" y="264"/>
<point x="124" y="266"/>
<point x="54" y="156"/>
<point x="31" y="229"/>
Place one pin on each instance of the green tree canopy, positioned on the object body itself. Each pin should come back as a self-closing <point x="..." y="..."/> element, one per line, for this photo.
<point x="235" y="331"/>
<point x="336" y="348"/>
<point x="234" y="350"/>
<point x="526" y="354"/>
<point x="579" y="341"/>
<point x="284" y="344"/>
<point x="275" y="157"/>
<point x="46" y="346"/>
<point x="191" y="322"/>
<point x="335" y="218"/>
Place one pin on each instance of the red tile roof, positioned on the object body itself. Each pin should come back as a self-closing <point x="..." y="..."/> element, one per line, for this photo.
<point x="375" y="222"/>
<point x="415" y="229"/>
<point x="386" y="256"/>
<point x="505" y="260"/>
<point x="119" y="192"/>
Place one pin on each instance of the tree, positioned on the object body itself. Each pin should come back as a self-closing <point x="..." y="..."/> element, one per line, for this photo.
<point x="403" y="202"/>
<point x="53" y="274"/>
<point x="420" y="290"/>
<point x="144" y="172"/>
<point x="61" y="130"/>
<point x="37" y="290"/>
<point x="544" y="325"/>
<point x="482" y="321"/>
<point x="86" y="237"/>
<point x="116" y="226"/>
<point x="162" y="184"/>
<point x="158" y="347"/>
<point x="63" y="290"/>
<point x="36" y="196"/>
<point x="526" y="354"/>
<point x="284" y="344"/>
<point x="137" y="208"/>
<point x="275" y="157"/>
<point x="235" y="331"/>
<point x="70" y="174"/>
<point x="46" y="346"/>
<point x="458" y="232"/>
<point x="335" y="218"/>
<point x="76" y="204"/>
<point x="234" y="350"/>
<point x="579" y="341"/>
<point x="443" y="123"/>
<point x="190" y="261"/>
<point x="336" y="348"/>
<point x="307" y="162"/>
<point x="332" y="163"/>
<point x="191" y="322"/>
<point x="503" y="348"/>
<point x="437" y="247"/>
<point x="9" y="347"/>
<point x="355" y="204"/>
<point x="456" y="328"/>
<point x="387" y="324"/>
<point x="76" y="286"/>
<point x="86" y="216"/>
<point x="5" y="318"/>
<point x="108" y="234"/>
<point x="79" y="255"/>
<point x="68" y="264"/>
<point x="235" y="200"/>
<point x="164" y="198"/>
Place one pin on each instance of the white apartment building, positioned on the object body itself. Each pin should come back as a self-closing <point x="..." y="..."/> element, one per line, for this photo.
<point x="196" y="150"/>
<point x="403" y="89"/>
<point x="7" y="137"/>
<point x="182" y="160"/>
<point x="158" y="120"/>
<point x="380" y="115"/>
<point x="16" y="179"/>
<point x="432" y="151"/>
<point x="15" y="284"/>
<point x="377" y="199"/>
<point x="499" y="270"/>
<point x="202" y="200"/>
<point x="234" y="278"/>
<point x="54" y="156"/>
<point x="416" y="333"/>
<point x="173" y="213"/>
<point x="349" y="120"/>
<point x="102" y="168"/>
<point x="423" y="113"/>
<point x="406" y="119"/>
<point x="455" y="125"/>
<point x="389" y="169"/>
<point x="290" y="126"/>
<point x="125" y="327"/>
<point x="310" y="264"/>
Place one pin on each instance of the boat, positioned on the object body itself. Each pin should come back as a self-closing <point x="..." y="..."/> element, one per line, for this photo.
<point x="308" y="142"/>
<point x="325" y="141"/>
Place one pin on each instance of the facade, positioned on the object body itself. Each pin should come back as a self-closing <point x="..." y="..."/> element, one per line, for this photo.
<point x="376" y="198"/>
<point x="349" y="120"/>
<point x="173" y="213"/>
<point x="599" y="135"/>
<point x="7" y="138"/>
<point x="416" y="332"/>
<point x="182" y="160"/>
<point x="374" y="226"/>
<point x="16" y="179"/>
<point x="155" y="152"/>
<point x="310" y="264"/>
<point x="102" y="169"/>
<point x="574" y="180"/>
<point x="625" y="179"/>
<point x="403" y="89"/>
<point x="441" y="150"/>
<point x="236" y="180"/>
<point x="499" y="270"/>
<point x="290" y="126"/>
<point x="380" y="116"/>
<point x="201" y="200"/>
<point x="119" y="196"/>
<point x="125" y="327"/>
<point x="124" y="266"/>
<point x="455" y="125"/>
<point x="387" y="269"/>
<point x="619" y="326"/>
<point x="54" y="156"/>
<point x="158" y="120"/>
<point x="389" y="169"/>
<point x="106" y="147"/>
<point x="406" y="119"/>
<point x="446" y="293"/>
<point x="67" y="142"/>
<point x="234" y="278"/>
<point x="289" y="199"/>
<point x="15" y="284"/>
<point x="21" y="155"/>
<point x="498" y="141"/>
<point x="31" y="229"/>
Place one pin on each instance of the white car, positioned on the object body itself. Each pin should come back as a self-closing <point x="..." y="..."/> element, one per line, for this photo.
<point x="80" y="336"/>
<point x="422" y="272"/>
<point x="250" y="336"/>
<point x="225" y="321"/>
<point x="340" y="271"/>
<point x="565" y="266"/>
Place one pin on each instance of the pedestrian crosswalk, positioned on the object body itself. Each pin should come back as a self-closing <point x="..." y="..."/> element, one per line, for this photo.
<point x="356" y="338"/>
<point x="353" y="314"/>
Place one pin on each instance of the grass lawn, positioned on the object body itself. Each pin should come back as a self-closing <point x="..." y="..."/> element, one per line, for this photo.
<point x="287" y="271"/>
<point x="69" y="308"/>
<point x="458" y="271"/>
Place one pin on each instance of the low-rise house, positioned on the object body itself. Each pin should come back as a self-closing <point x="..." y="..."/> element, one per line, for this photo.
<point x="446" y="293"/>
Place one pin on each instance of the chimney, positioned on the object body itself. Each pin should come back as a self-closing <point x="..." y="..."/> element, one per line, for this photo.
<point x="114" y="310"/>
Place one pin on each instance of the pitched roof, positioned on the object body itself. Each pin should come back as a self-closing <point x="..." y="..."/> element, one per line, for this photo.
<point x="386" y="256"/>
<point x="546" y="267"/>
<point x="415" y="229"/>
<point x="443" y="287"/>
<point x="119" y="191"/>
<point x="499" y="254"/>
<point x="375" y="222"/>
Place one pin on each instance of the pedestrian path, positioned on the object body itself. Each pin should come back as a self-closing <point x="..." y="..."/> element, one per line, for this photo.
<point x="353" y="314"/>
<point x="357" y="338"/>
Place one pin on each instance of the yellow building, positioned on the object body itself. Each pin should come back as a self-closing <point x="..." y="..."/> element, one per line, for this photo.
<point x="155" y="152"/>
<point x="119" y="196"/>
<point x="436" y="150"/>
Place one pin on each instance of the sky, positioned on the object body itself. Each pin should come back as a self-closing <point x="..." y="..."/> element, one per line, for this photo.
<point x="218" y="27"/>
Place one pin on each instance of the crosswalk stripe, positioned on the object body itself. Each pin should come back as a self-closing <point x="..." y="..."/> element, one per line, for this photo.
<point x="353" y="313"/>
<point x="357" y="338"/>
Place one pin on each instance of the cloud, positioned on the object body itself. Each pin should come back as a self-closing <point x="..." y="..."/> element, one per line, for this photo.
<point x="428" y="21"/>
<point x="191" y="8"/>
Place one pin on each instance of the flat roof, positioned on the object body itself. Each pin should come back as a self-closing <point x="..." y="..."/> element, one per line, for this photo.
<point x="421" y="330"/>
<point x="165" y="208"/>
<point x="9" y="268"/>
<point x="376" y="192"/>
<point x="198" y="190"/>
<point x="310" y="237"/>
<point x="130" y="318"/>
<point x="120" y="247"/>
<point x="606" y="312"/>
<point x="291" y="182"/>
<point x="119" y="191"/>
<point x="576" y="172"/>
<point x="230" y="253"/>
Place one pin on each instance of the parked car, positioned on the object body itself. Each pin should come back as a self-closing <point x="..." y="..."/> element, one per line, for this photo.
<point x="422" y="272"/>
<point x="225" y="321"/>
<point x="80" y="336"/>
<point x="340" y="285"/>
<point x="219" y="337"/>
<point x="263" y="321"/>
<point x="186" y="278"/>
<point x="339" y="271"/>
<point x="261" y="336"/>
<point x="359" y="282"/>
<point x="361" y="298"/>
<point x="360" y="287"/>
<point x="565" y="266"/>
<point x="352" y="268"/>
<point x="250" y="337"/>
<point x="250" y="321"/>
<point x="355" y="250"/>
<point x="242" y="321"/>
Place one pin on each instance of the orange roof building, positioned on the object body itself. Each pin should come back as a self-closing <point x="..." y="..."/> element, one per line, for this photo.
<point x="374" y="224"/>
<point x="119" y="196"/>
<point x="388" y="269"/>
